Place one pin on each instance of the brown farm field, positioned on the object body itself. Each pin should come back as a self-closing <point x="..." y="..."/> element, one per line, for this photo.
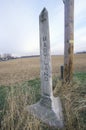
<point x="24" y="69"/>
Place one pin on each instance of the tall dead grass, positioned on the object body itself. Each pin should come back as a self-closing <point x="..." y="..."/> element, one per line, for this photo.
<point x="16" y="116"/>
<point x="73" y="96"/>
<point x="74" y="107"/>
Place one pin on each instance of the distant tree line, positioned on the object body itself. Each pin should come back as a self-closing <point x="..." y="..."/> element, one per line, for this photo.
<point x="83" y="52"/>
<point x="6" y="56"/>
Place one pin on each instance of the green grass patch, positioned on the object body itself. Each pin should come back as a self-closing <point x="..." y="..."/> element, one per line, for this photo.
<point x="3" y="102"/>
<point x="81" y="76"/>
<point x="36" y="88"/>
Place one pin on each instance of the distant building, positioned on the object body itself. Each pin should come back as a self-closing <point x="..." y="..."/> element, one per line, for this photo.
<point x="6" y="56"/>
<point x="0" y="57"/>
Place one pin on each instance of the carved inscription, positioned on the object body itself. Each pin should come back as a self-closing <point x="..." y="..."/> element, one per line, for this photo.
<point x="44" y="38"/>
<point x="46" y="75"/>
<point x="46" y="71"/>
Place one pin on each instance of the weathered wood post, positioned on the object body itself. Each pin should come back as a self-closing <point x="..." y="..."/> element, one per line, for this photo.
<point x="48" y="109"/>
<point x="68" y="40"/>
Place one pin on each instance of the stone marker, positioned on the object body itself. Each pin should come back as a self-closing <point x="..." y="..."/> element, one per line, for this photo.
<point x="48" y="109"/>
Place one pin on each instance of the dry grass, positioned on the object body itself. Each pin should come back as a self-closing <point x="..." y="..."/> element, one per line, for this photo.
<point x="80" y="63"/>
<point x="20" y="70"/>
<point x="73" y="98"/>
<point x="16" y="117"/>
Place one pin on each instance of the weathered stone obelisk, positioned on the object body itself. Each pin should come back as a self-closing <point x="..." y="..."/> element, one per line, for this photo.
<point x="48" y="109"/>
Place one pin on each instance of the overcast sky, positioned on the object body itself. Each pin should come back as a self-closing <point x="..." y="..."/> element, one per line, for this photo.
<point x="19" y="26"/>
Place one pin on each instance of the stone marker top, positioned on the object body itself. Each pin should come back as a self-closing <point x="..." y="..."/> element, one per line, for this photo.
<point x="64" y="1"/>
<point x="43" y="15"/>
<point x="43" y="11"/>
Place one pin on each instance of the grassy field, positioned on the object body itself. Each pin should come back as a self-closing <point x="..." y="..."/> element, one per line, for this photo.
<point x="13" y="101"/>
<point x="20" y="85"/>
<point x="20" y="70"/>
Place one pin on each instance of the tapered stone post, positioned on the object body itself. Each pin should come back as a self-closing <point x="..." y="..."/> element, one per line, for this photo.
<point x="69" y="39"/>
<point x="45" y="58"/>
<point x="48" y="109"/>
